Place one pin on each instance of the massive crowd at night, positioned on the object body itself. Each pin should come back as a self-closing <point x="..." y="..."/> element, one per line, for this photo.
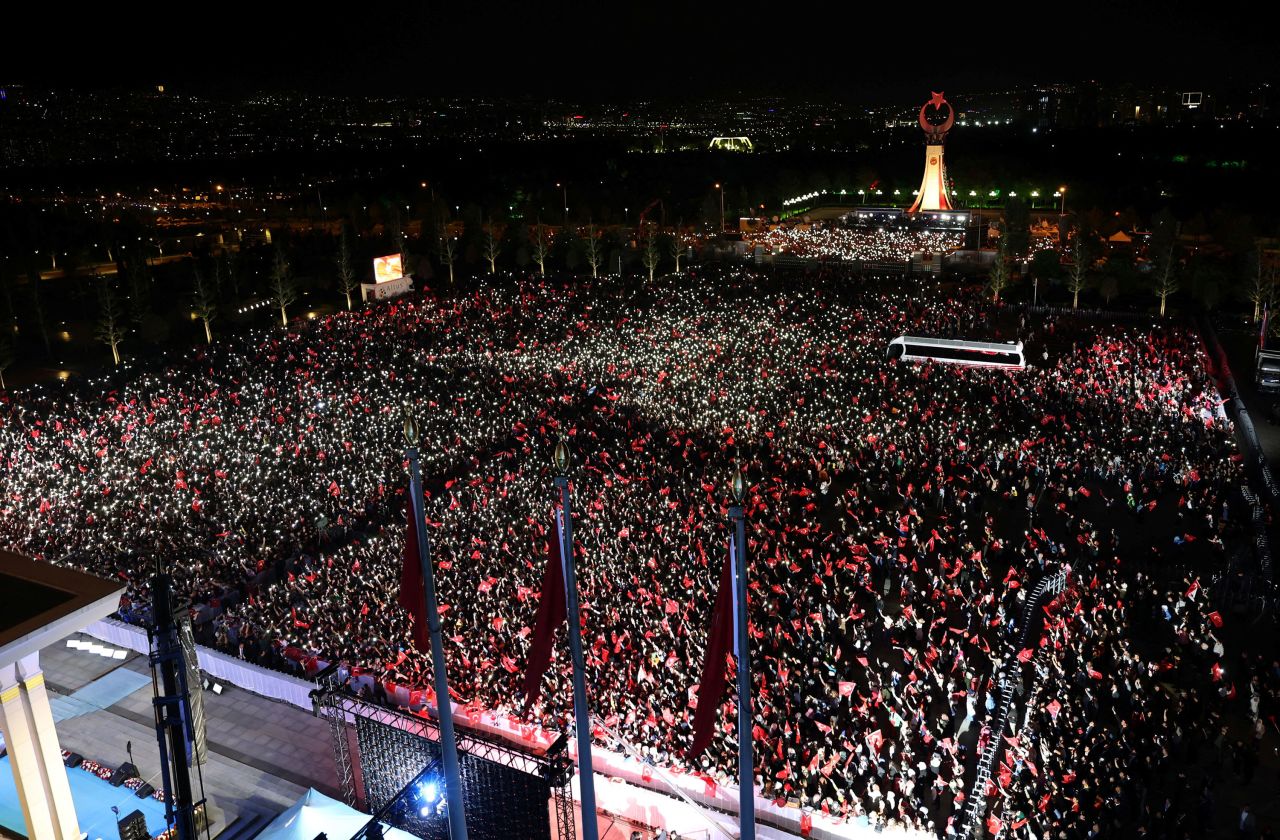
<point x="832" y="241"/>
<point x="898" y="515"/>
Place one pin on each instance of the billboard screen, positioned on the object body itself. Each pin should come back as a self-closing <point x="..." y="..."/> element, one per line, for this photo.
<point x="387" y="268"/>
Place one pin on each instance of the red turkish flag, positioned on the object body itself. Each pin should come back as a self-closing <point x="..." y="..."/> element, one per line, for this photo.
<point x="412" y="590"/>
<point x="719" y="645"/>
<point x="552" y="612"/>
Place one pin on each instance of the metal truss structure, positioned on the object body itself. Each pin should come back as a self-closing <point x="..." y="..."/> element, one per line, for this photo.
<point x="347" y="714"/>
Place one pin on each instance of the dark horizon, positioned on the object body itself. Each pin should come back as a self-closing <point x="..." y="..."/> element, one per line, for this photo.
<point x="608" y="54"/>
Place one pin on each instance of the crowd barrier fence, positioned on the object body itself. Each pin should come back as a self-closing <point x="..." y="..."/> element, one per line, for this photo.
<point x="975" y="807"/>
<point x="276" y="685"/>
<point x="1255" y="458"/>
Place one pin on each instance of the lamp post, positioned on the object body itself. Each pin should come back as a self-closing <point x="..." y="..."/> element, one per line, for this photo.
<point x="565" y="192"/>
<point x="742" y="641"/>
<point x="581" y="714"/>
<point x="444" y="711"/>
<point x="1062" y="207"/>
<point x="720" y="187"/>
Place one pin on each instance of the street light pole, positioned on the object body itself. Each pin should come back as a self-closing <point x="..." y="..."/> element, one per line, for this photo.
<point x="581" y="714"/>
<point x="565" y="192"/>
<point x="721" y="188"/>
<point x="742" y="641"/>
<point x="444" y="711"/>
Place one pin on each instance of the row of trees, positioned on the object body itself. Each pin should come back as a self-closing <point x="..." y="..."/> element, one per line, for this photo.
<point x="1163" y="268"/>
<point x="122" y="307"/>
<point x="586" y="249"/>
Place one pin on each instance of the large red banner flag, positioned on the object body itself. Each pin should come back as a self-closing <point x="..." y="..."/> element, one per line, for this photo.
<point x="719" y="643"/>
<point x="551" y="614"/>
<point x="413" y="595"/>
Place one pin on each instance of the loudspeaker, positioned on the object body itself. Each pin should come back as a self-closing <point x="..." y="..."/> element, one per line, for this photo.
<point x="74" y="760"/>
<point x="144" y="790"/>
<point x="133" y="827"/>
<point x="123" y="773"/>
<point x="973" y="237"/>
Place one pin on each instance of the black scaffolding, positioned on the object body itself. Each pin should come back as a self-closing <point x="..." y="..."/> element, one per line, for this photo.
<point x="380" y="751"/>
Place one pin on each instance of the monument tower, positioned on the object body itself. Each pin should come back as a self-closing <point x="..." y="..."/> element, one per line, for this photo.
<point x="933" y="189"/>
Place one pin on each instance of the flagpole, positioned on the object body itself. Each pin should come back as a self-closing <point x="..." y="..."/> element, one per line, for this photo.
<point x="444" y="709"/>
<point x="582" y="715"/>
<point x="746" y="775"/>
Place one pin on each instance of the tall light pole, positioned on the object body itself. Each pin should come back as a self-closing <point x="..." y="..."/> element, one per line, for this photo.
<point x="720" y="187"/>
<point x="742" y="641"/>
<point x="1062" y="208"/>
<point x="565" y="192"/>
<point x="581" y="714"/>
<point x="444" y="711"/>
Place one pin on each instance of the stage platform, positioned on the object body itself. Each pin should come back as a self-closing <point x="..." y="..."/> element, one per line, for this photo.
<point x="263" y="754"/>
<point x="93" y="799"/>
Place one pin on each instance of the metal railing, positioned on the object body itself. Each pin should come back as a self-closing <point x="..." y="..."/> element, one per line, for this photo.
<point x="975" y="808"/>
<point x="1255" y="459"/>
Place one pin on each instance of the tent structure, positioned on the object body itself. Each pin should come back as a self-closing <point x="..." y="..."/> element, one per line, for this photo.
<point x="314" y="813"/>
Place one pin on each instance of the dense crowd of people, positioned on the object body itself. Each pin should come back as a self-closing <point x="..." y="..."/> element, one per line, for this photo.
<point x="898" y="514"/>
<point x="835" y="241"/>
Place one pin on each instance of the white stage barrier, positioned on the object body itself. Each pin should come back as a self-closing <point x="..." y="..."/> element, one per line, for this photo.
<point x="219" y="666"/>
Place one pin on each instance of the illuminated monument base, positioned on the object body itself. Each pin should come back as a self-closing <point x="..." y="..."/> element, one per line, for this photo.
<point x="933" y="189"/>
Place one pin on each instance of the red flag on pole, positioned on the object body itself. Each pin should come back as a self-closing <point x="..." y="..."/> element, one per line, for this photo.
<point x="413" y="595"/>
<point x="551" y="614"/>
<point x="719" y="643"/>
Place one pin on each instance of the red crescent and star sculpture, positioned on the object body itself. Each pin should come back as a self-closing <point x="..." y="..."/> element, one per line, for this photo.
<point x="933" y="188"/>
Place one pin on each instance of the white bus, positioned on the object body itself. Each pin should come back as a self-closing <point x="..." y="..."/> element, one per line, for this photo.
<point x="1267" y="371"/>
<point x="915" y="348"/>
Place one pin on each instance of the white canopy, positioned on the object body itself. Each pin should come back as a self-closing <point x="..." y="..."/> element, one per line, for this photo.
<point x="314" y="813"/>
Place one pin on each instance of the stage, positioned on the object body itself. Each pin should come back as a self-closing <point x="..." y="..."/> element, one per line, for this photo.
<point x="93" y="799"/>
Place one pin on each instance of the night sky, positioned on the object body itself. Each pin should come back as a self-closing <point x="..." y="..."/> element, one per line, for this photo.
<point x="856" y="51"/>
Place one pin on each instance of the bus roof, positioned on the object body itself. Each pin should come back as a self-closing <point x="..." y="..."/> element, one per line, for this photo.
<point x="989" y="346"/>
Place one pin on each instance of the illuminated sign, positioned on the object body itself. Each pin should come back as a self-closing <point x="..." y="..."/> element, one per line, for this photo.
<point x="386" y="291"/>
<point x="388" y="268"/>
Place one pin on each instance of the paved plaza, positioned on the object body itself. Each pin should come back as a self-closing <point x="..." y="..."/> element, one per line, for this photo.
<point x="263" y="754"/>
